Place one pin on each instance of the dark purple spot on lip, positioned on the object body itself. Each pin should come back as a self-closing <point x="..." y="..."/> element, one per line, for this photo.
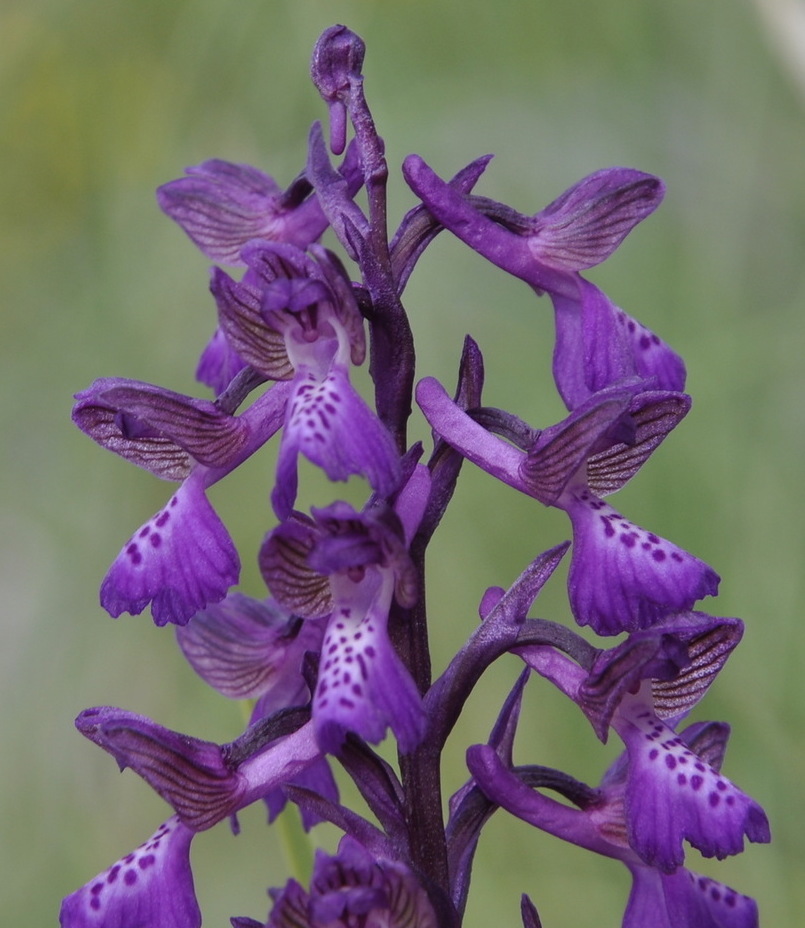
<point x="645" y="342"/>
<point x="95" y="903"/>
<point x="658" y="555"/>
<point x="96" y="888"/>
<point x="676" y="556"/>
<point x="145" y="862"/>
<point x="628" y="539"/>
<point x="112" y="875"/>
<point x="130" y="877"/>
<point x="156" y="540"/>
<point x="670" y="761"/>
<point x="714" y="799"/>
<point x="696" y="782"/>
<point x="144" y="531"/>
<point x="162" y="519"/>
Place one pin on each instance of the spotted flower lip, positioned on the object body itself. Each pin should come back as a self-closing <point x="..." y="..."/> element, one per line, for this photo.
<point x="348" y="566"/>
<point x="183" y="558"/>
<point x="621" y="577"/>
<point x="153" y="885"/>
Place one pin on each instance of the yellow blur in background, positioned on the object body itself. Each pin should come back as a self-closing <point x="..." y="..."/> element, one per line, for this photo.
<point x="101" y="102"/>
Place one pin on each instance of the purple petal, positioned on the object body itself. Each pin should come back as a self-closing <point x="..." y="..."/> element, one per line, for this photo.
<point x="583" y="226"/>
<point x="672" y="795"/>
<point x="317" y="779"/>
<point x="152" y="887"/>
<point x="221" y="206"/>
<point x="190" y="774"/>
<point x="332" y="426"/>
<point x="246" y="330"/>
<point x="246" y="648"/>
<point x="561" y="450"/>
<point x="622" y="577"/>
<point x="363" y="686"/>
<point x="283" y="561"/>
<point x="144" y="413"/>
<point x="654" y="415"/>
<point x="654" y="359"/>
<point x="218" y="363"/>
<point x="598" y="345"/>
<point x="180" y="561"/>
<point x="137" y="442"/>
<point x="691" y="899"/>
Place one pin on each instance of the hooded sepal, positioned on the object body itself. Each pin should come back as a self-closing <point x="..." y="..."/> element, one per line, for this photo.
<point x="191" y="775"/>
<point x="221" y="206"/>
<point x="152" y="426"/>
<point x="652" y="415"/>
<point x="247" y="649"/>
<point x="151" y="887"/>
<point x="562" y="450"/>
<point x="587" y="223"/>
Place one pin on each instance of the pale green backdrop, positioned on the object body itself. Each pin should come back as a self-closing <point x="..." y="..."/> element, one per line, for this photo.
<point x="102" y="101"/>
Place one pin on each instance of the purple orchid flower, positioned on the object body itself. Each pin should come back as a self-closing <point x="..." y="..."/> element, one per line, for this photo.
<point x="621" y="576"/>
<point x="251" y="649"/>
<point x="183" y="558"/>
<point x="205" y="783"/>
<point x="295" y="316"/>
<point x="222" y="206"/>
<point x="349" y="888"/>
<point x="597" y="344"/>
<point x="641" y="688"/>
<point x="348" y="567"/>
<point x="658" y="899"/>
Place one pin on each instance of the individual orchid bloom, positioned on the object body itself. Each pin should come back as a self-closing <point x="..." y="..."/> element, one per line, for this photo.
<point x="295" y="316"/>
<point x="658" y="899"/>
<point x="222" y="206"/>
<point x="151" y="887"/>
<point x="255" y="650"/>
<point x="597" y="343"/>
<point x="183" y="558"/>
<point x="348" y="567"/>
<point x="352" y="887"/>
<point x="621" y="577"/>
<point x="641" y="688"/>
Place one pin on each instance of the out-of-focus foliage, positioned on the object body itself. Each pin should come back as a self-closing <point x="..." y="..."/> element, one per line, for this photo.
<point x="100" y="102"/>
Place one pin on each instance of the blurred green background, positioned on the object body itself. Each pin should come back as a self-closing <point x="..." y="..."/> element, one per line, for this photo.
<point x="102" y="101"/>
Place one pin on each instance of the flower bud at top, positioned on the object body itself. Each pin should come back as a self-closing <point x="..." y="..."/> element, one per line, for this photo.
<point x="337" y="61"/>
